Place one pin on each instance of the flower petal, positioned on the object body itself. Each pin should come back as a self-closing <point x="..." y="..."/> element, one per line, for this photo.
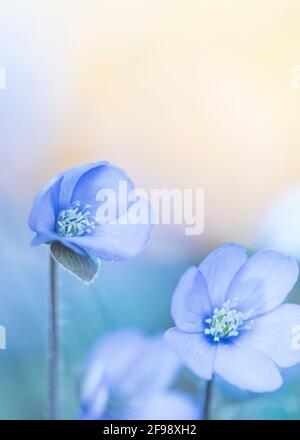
<point x="70" y="180"/>
<point x="103" y="176"/>
<point x="114" y="241"/>
<point x="171" y="405"/>
<point x="115" y="354"/>
<point x="263" y="282"/>
<point x="43" y="214"/>
<point x="194" y="350"/>
<point x="277" y="334"/>
<point x="94" y="393"/>
<point x="190" y="302"/>
<point x="43" y="238"/>
<point x="246" y="368"/>
<point x="144" y="378"/>
<point x="48" y="237"/>
<point x="125" y="362"/>
<point x="219" y="268"/>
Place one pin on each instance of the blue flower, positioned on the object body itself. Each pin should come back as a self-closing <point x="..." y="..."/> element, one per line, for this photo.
<point x="230" y="320"/>
<point x="127" y="377"/>
<point x="65" y="212"/>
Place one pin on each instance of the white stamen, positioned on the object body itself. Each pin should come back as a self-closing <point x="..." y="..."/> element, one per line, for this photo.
<point x="227" y="322"/>
<point x="72" y="222"/>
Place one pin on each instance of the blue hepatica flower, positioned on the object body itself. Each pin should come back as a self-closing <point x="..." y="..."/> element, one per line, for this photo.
<point x="230" y="320"/>
<point x="66" y="212"/>
<point x="128" y="376"/>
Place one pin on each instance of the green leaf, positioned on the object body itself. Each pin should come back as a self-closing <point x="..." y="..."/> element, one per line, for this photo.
<point x="84" y="267"/>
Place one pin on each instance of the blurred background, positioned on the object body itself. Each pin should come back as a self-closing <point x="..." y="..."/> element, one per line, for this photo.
<point x="179" y="93"/>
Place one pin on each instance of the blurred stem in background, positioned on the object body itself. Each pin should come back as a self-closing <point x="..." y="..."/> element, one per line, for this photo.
<point x="53" y="343"/>
<point x="207" y="399"/>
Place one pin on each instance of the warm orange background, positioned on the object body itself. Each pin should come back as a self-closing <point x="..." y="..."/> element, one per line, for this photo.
<point x="179" y="93"/>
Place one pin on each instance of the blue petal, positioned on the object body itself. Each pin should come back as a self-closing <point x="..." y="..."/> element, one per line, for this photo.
<point x="246" y="368"/>
<point x="171" y="405"/>
<point x="263" y="282"/>
<point x="125" y="363"/>
<point x="43" y="238"/>
<point x="103" y="176"/>
<point x="129" y="361"/>
<point x="73" y="246"/>
<point x="190" y="302"/>
<point x="277" y="334"/>
<point x="116" y="354"/>
<point x="53" y="236"/>
<point x="93" y="405"/>
<point x="70" y="180"/>
<point x="43" y="214"/>
<point x="194" y="350"/>
<point x="219" y="267"/>
<point x="114" y="241"/>
<point x="145" y="378"/>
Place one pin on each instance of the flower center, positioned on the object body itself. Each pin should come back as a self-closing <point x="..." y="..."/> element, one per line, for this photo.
<point x="227" y="321"/>
<point x="73" y="221"/>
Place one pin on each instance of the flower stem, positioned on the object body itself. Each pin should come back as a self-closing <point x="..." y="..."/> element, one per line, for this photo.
<point x="207" y="400"/>
<point x="53" y="343"/>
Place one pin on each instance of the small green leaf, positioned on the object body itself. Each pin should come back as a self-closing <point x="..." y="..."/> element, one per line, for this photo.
<point x="84" y="267"/>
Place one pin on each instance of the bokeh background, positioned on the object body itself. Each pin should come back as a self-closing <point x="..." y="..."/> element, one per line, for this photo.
<point x="181" y="94"/>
